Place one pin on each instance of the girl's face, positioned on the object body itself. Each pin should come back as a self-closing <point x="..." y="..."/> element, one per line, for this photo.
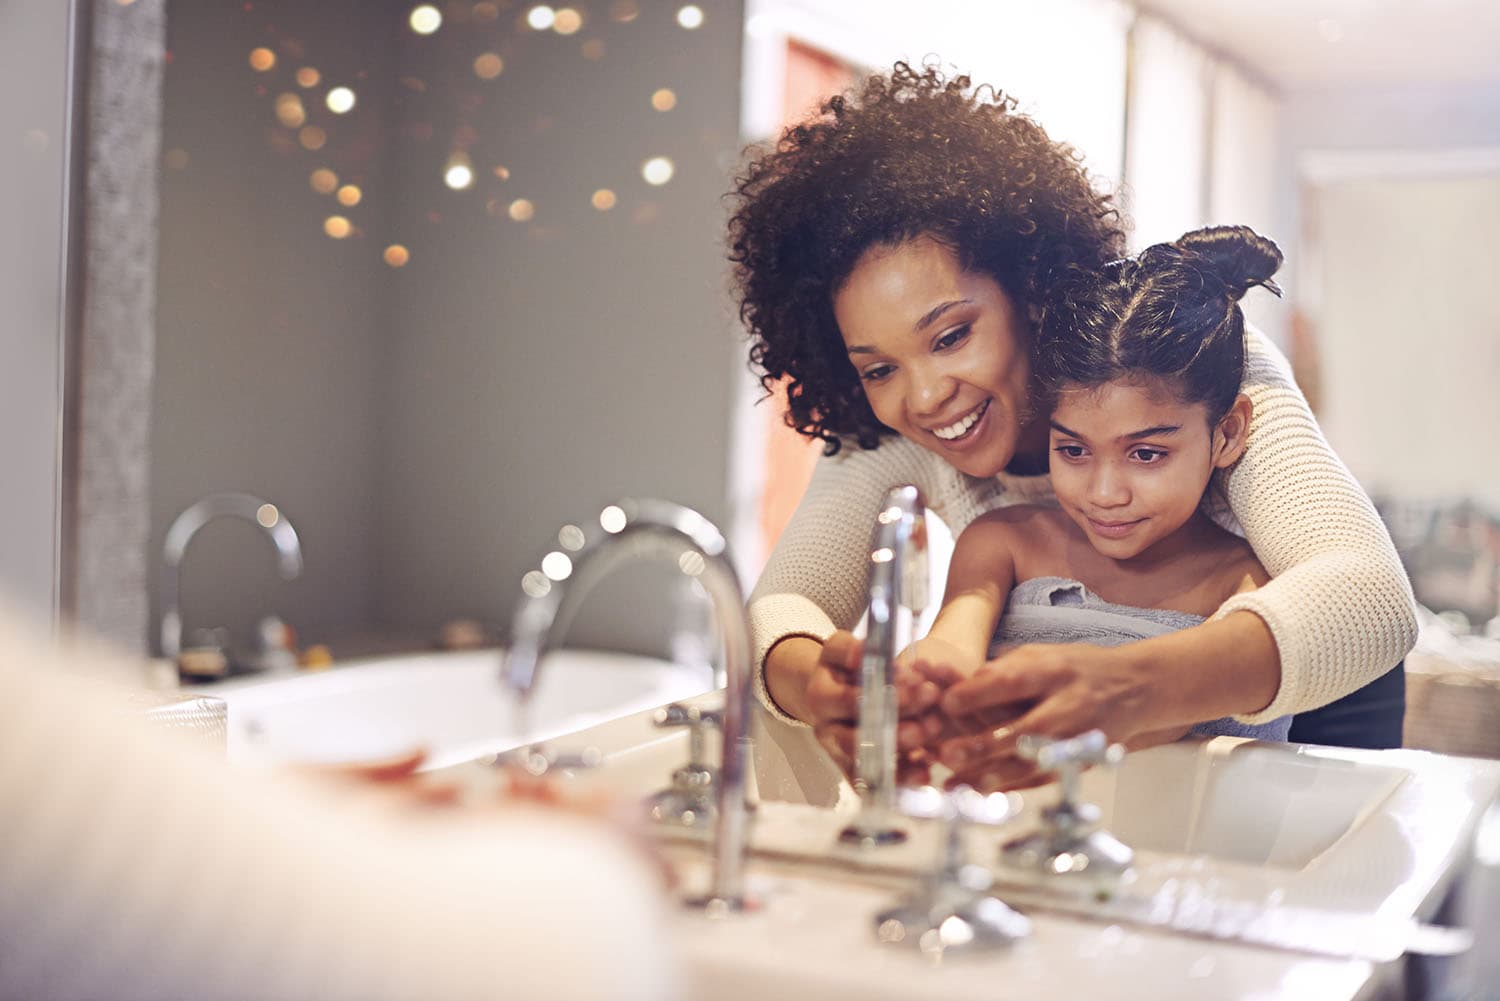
<point x="940" y="352"/>
<point x="1130" y="462"/>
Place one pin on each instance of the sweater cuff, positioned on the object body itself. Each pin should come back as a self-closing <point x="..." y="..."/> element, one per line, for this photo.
<point x="773" y="618"/>
<point x="1288" y="697"/>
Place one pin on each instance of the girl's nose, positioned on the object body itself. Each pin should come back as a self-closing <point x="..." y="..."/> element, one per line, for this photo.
<point x="1108" y="487"/>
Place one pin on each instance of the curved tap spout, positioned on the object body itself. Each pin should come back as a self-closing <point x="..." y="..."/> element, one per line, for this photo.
<point x="898" y="593"/>
<point x="253" y="509"/>
<point x="635" y="528"/>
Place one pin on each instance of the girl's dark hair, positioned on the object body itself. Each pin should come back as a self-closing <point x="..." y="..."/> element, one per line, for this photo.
<point x="904" y="155"/>
<point x="1171" y="312"/>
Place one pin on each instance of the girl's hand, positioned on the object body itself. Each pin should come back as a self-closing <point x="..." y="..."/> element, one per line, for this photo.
<point x="933" y="658"/>
<point x="1047" y="690"/>
<point x="833" y="701"/>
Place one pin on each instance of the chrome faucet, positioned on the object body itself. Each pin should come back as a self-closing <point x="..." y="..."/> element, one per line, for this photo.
<point x="186" y="525"/>
<point x="898" y="593"/>
<point x="553" y="594"/>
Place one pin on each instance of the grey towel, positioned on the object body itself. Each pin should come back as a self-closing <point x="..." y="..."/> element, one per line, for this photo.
<point x="1058" y="610"/>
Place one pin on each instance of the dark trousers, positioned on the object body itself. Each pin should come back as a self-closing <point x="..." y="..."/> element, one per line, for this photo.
<point x="1370" y="717"/>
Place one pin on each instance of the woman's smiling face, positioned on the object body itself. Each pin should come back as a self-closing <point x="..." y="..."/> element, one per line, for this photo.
<point x="940" y="352"/>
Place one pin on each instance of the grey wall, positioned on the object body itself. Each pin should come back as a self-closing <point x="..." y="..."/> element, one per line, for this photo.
<point x="35" y="65"/>
<point x="541" y="369"/>
<point x="429" y="429"/>
<point x="269" y="332"/>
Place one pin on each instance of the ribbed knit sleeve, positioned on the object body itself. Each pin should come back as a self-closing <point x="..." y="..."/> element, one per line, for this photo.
<point x="1339" y="604"/>
<point x="135" y="867"/>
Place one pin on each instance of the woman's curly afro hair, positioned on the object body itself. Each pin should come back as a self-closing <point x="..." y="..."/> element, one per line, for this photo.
<point x="904" y="155"/>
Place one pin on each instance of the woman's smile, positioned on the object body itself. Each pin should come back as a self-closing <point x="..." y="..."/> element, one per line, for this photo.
<point x="964" y="430"/>
<point x="940" y="352"/>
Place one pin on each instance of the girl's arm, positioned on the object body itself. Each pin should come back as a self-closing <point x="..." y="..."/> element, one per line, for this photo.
<point x="980" y="577"/>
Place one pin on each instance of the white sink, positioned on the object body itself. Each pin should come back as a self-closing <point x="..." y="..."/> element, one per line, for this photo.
<point x="1313" y="843"/>
<point x="1241" y="801"/>
<point x="451" y="704"/>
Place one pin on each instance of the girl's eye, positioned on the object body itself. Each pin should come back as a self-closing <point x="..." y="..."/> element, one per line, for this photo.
<point x="875" y="374"/>
<point x="952" y="338"/>
<point x="1148" y="455"/>
<point x="1070" y="451"/>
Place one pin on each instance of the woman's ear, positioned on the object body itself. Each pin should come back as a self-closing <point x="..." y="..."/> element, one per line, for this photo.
<point x="1232" y="433"/>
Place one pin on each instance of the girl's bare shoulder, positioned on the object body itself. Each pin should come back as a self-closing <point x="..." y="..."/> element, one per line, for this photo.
<point x="1022" y="520"/>
<point x="1238" y="568"/>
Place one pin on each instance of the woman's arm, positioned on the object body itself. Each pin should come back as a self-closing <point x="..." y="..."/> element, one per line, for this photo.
<point x="1339" y="606"/>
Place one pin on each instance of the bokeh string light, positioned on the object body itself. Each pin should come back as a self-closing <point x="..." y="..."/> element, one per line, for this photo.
<point x="313" y="124"/>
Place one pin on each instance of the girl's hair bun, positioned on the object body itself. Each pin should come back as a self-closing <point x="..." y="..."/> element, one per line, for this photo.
<point x="1240" y="257"/>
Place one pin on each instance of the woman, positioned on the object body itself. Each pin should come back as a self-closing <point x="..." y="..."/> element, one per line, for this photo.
<point x="890" y="257"/>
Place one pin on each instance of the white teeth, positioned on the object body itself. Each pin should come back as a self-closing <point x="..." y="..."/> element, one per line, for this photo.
<point x="959" y="428"/>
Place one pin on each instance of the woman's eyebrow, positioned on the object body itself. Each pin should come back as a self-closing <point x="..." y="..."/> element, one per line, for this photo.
<point x="927" y="320"/>
<point x="931" y="316"/>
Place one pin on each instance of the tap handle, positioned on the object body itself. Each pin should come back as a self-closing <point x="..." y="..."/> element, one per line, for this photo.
<point x="1091" y="748"/>
<point x="1067" y="759"/>
<point x="539" y="759"/>
<point x="698" y="721"/>
<point x="678" y="714"/>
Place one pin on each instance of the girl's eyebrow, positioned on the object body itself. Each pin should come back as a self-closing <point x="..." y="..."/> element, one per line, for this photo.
<point x="1159" y="430"/>
<point x="1153" y="432"/>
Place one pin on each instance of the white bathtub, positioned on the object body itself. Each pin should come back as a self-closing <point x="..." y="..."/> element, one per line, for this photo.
<point x="451" y="704"/>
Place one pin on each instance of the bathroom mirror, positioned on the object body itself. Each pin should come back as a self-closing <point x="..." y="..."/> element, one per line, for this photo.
<point x="438" y="279"/>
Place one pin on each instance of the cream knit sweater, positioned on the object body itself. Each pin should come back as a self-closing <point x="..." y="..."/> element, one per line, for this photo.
<point x="1339" y="604"/>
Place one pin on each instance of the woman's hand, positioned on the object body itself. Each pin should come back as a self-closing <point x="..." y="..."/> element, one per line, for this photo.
<point x="1048" y="690"/>
<point x="827" y="698"/>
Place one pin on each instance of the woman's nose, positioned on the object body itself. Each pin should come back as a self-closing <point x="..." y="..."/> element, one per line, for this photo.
<point x="930" y="392"/>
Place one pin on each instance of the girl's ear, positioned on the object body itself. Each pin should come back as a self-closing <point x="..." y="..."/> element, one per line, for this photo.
<point x="1232" y="433"/>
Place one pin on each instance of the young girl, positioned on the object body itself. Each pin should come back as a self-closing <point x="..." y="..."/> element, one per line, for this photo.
<point x="1141" y="366"/>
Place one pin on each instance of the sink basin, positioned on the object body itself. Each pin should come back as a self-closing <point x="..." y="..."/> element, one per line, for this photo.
<point x="1241" y="801"/>
<point x="451" y="704"/>
<point x="1304" y="849"/>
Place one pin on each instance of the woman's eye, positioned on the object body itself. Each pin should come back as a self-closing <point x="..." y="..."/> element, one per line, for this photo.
<point x="952" y="338"/>
<point x="875" y="374"/>
<point x="1070" y="451"/>
<point x="1148" y="455"/>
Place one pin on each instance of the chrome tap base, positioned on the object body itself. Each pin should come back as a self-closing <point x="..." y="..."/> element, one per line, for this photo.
<point x="690" y="802"/>
<point x="1069" y="845"/>
<point x="953" y="911"/>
